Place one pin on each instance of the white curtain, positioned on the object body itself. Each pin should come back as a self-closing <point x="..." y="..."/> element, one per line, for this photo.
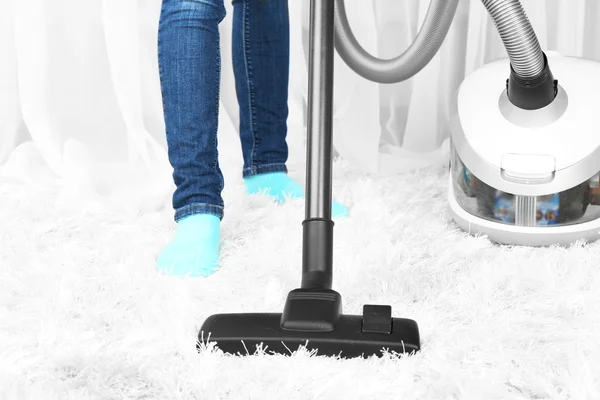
<point x="80" y="102"/>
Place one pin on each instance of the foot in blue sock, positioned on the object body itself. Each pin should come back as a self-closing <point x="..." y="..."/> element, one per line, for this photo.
<point x="194" y="250"/>
<point x="279" y="185"/>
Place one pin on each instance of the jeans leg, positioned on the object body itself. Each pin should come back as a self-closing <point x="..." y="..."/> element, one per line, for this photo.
<point x="261" y="56"/>
<point x="190" y="71"/>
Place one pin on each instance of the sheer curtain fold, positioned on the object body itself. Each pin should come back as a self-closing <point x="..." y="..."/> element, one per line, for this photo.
<point x="80" y="101"/>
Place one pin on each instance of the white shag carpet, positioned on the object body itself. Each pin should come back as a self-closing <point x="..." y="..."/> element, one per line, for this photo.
<point x="84" y="315"/>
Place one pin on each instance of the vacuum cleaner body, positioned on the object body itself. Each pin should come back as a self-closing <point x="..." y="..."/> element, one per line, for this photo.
<point x="516" y="156"/>
<point x="527" y="176"/>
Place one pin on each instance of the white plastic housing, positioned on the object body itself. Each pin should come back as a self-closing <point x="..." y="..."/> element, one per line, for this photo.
<point x="527" y="177"/>
<point x="530" y="152"/>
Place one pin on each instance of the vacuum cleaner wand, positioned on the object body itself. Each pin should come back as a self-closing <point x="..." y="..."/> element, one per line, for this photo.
<point x="317" y="252"/>
<point x="312" y="316"/>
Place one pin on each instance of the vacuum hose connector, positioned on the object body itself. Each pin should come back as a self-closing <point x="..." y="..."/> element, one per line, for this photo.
<point x="429" y="40"/>
<point x="531" y="84"/>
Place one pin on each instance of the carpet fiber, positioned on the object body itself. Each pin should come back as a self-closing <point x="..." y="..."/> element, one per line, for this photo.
<point x="84" y="315"/>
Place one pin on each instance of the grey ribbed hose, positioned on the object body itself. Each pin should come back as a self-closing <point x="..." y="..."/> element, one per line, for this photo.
<point x="517" y="34"/>
<point x="430" y="38"/>
<point x="522" y="45"/>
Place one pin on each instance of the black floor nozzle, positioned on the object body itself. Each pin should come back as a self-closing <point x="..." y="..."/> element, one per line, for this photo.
<point x="313" y="319"/>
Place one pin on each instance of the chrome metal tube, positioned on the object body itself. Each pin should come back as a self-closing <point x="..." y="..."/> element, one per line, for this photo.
<point x="320" y="111"/>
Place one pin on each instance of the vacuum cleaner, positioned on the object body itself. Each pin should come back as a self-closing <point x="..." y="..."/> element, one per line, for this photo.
<point x="523" y="169"/>
<point x="525" y="153"/>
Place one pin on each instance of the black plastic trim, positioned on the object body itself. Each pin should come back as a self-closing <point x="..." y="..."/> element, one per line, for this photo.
<point x="317" y="254"/>
<point x="532" y="94"/>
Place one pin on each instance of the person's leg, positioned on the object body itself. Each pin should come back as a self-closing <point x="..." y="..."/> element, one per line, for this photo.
<point x="261" y="57"/>
<point x="190" y="69"/>
<point x="260" y="48"/>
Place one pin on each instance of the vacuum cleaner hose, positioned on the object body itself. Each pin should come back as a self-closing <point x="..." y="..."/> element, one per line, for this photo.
<point x="428" y="41"/>
<point x="522" y="46"/>
<point x="518" y="36"/>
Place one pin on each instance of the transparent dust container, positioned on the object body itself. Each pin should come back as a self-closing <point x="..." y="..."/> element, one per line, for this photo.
<point x="576" y="205"/>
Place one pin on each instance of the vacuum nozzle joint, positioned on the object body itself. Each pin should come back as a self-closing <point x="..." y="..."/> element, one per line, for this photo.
<point x="532" y="93"/>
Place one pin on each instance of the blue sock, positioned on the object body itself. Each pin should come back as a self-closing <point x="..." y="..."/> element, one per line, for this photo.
<point x="194" y="250"/>
<point x="279" y="185"/>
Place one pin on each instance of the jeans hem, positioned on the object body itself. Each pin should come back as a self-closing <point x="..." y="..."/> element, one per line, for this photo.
<point x="264" y="169"/>
<point x="198" y="208"/>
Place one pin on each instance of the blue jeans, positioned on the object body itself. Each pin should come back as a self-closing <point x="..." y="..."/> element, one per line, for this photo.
<point x="190" y="70"/>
